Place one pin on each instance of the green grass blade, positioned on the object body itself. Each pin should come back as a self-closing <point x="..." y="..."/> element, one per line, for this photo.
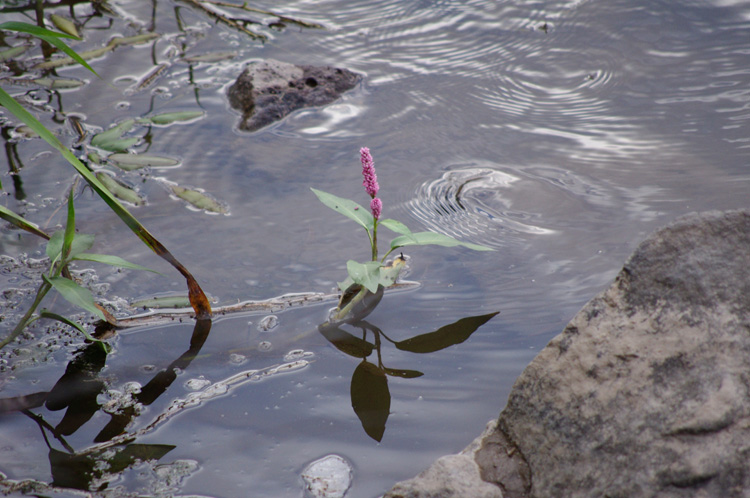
<point x="16" y="220"/>
<point x="108" y="259"/>
<point x="198" y="298"/>
<point x="51" y="37"/>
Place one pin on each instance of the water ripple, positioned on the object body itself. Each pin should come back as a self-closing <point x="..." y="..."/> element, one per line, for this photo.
<point x="474" y="204"/>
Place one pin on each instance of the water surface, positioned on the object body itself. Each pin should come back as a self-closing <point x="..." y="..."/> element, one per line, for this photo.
<point x="557" y="133"/>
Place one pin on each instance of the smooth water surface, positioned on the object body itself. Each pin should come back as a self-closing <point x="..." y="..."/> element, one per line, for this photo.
<point x="557" y="133"/>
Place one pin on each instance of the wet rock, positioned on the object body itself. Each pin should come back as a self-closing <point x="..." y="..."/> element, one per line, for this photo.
<point x="269" y="90"/>
<point x="328" y="477"/>
<point x="646" y="392"/>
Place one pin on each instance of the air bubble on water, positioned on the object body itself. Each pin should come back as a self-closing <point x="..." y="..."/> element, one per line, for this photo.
<point x="298" y="354"/>
<point x="265" y="346"/>
<point x="237" y="359"/>
<point x="197" y="384"/>
<point x="268" y="323"/>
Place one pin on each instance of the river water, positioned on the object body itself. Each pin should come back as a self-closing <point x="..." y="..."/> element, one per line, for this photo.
<point x="557" y="133"/>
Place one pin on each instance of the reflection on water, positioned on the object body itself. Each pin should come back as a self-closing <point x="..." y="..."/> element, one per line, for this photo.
<point x="474" y="204"/>
<point x="560" y="133"/>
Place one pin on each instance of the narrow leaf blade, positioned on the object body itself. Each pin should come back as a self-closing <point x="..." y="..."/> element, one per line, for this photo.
<point x="75" y="294"/>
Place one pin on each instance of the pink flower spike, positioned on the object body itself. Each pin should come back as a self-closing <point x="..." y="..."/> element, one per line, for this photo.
<point x="368" y="171"/>
<point x="376" y="206"/>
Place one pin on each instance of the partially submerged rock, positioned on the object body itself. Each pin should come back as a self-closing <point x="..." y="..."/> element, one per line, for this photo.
<point x="267" y="91"/>
<point x="646" y="392"/>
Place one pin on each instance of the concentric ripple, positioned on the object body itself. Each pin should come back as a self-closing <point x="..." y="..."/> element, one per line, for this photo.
<point x="473" y="204"/>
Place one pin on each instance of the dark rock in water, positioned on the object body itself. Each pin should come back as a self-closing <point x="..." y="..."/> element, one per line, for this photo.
<point x="267" y="91"/>
<point x="645" y="393"/>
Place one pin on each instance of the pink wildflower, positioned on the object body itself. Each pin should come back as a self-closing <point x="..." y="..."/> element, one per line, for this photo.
<point x="376" y="206"/>
<point x="368" y="171"/>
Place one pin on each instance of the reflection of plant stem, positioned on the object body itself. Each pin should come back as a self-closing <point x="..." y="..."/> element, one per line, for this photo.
<point x="43" y="424"/>
<point x="244" y="6"/>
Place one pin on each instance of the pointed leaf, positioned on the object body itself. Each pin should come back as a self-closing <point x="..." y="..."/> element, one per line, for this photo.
<point x="172" y="117"/>
<point x="433" y="238"/>
<point x="67" y="321"/>
<point x="198" y="199"/>
<point x="20" y="222"/>
<point x="119" y="189"/>
<point x="198" y="298"/>
<point x="444" y="337"/>
<point x="108" y="259"/>
<point x="111" y="139"/>
<point x="65" y="25"/>
<point x="398" y="227"/>
<point x="348" y="208"/>
<point x="75" y="294"/>
<point x="51" y="37"/>
<point x="130" y="162"/>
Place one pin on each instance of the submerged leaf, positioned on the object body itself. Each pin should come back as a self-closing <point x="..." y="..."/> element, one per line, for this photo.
<point x="65" y="25"/>
<point x="172" y="117"/>
<point x="111" y="139"/>
<point x="13" y="52"/>
<point x="162" y="302"/>
<point x="211" y="57"/>
<point x="198" y="199"/>
<point x="130" y="162"/>
<point x="119" y="189"/>
<point x="59" y="83"/>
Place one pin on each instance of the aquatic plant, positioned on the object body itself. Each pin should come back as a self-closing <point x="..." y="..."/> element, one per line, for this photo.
<point x="374" y="274"/>
<point x="59" y="259"/>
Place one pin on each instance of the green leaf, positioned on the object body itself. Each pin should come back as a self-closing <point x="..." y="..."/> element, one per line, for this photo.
<point x="198" y="199"/>
<point x="172" y="117"/>
<point x="51" y="37"/>
<point x="111" y="139"/>
<point x="81" y="242"/>
<point x="130" y="162"/>
<point x="348" y="208"/>
<point x="367" y="274"/>
<point x="119" y="189"/>
<point x="65" y="25"/>
<point x="111" y="260"/>
<point x="75" y="294"/>
<point x="70" y="227"/>
<point x="20" y="222"/>
<point x="395" y="226"/>
<point x="198" y="298"/>
<point x="67" y="321"/>
<point x="432" y="238"/>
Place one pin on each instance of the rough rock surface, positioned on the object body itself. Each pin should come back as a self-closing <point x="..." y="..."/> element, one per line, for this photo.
<point x="267" y="91"/>
<point x="647" y="391"/>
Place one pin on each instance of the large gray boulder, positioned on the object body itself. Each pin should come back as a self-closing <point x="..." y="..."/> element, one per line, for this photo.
<point x="267" y="91"/>
<point x="647" y="391"/>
